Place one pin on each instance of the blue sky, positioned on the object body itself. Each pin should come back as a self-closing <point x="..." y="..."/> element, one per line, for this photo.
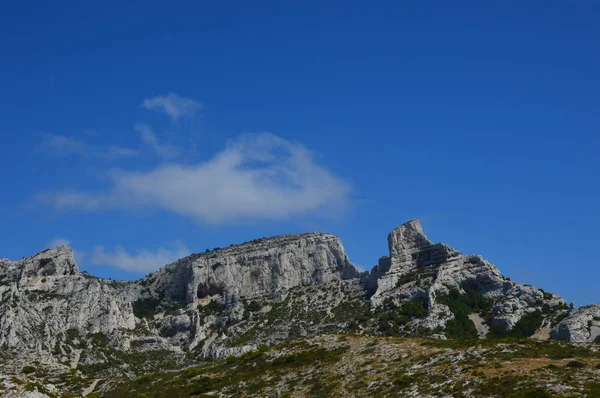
<point x="142" y="131"/>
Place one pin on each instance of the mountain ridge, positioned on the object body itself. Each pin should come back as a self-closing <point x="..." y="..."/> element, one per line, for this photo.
<point x="233" y="300"/>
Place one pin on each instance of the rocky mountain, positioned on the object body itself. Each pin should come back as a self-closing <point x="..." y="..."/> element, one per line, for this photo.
<point x="234" y="300"/>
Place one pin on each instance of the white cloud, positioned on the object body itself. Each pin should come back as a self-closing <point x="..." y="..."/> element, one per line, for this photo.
<point x="173" y="105"/>
<point x="141" y="261"/>
<point x="61" y="145"/>
<point x="150" y="139"/>
<point x="257" y="177"/>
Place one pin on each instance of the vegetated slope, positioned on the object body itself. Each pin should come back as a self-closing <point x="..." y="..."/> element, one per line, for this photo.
<point x="366" y="366"/>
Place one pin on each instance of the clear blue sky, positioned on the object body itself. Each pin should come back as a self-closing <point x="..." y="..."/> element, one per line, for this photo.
<point x="141" y="131"/>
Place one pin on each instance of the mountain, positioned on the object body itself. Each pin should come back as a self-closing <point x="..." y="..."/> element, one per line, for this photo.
<point x="267" y="292"/>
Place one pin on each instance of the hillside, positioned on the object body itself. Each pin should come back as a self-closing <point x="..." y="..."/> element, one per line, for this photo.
<point x="358" y="366"/>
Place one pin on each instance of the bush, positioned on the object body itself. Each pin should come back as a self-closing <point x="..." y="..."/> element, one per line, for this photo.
<point x="575" y="364"/>
<point x="253" y="306"/>
<point x="528" y="324"/>
<point x="414" y="308"/>
<point x="525" y="327"/>
<point x="462" y="305"/>
<point x="213" y="307"/>
<point x="28" y="369"/>
<point x="403" y="380"/>
<point x="535" y="392"/>
<point x="145" y="308"/>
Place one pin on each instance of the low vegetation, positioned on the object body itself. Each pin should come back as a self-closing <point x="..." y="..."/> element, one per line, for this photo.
<point x="350" y="365"/>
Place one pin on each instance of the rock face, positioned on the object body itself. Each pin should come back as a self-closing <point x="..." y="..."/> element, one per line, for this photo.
<point x="232" y="300"/>
<point x="46" y="303"/>
<point x="581" y="326"/>
<point x="423" y="269"/>
<point x="263" y="267"/>
<point x="44" y="296"/>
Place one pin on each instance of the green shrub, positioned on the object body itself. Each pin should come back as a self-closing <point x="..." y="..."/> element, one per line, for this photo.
<point x="525" y="327"/>
<point x="409" y="277"/>
<point x="253" y="306"/>
<point x="212" y="308"/>
<point x="144" y="379"/>
<point x="100" y="339"/>
<point x="462" y="305"/>
<point x="402" y="380"/>
<point x="528" y="324"/>
<point x="535" y="392"/>
<point x="28" y="369"/>
<point x="575" y="364"/>
<point x="414" y="308"/>
<point x="145" y="308"/>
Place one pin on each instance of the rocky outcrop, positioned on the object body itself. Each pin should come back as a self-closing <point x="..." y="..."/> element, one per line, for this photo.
<point x="263" y="267"/>
<point x="581" y="326"/>
<point x="44" y="296"/>
<point x="421" y="268"/>
<point x="265" y="270"/>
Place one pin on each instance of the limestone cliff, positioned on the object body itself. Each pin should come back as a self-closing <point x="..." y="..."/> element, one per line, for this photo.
<point x="267" y="266"/>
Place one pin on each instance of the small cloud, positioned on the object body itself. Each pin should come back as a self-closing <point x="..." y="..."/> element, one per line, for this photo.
<point x="60" y="145"/>
<point x="71" y="199"/>
<point x="257" y="177"/>
<point x="173" y="105"/>
<point x="150" y="139"/>
<point x="142" y="261"/>
<point x="64" y="146"/>
<point x="115" y="151"/>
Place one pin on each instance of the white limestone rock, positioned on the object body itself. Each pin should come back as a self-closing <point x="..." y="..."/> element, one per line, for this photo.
<point x="43" y="296"/>
<point x="264" y="267"/>
<point x="420" y="268"/>
<point x="581" y="326"/>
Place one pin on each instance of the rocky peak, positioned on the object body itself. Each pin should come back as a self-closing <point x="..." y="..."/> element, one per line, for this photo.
<point x="58" y="261"/>
<point x="407" y="237"/>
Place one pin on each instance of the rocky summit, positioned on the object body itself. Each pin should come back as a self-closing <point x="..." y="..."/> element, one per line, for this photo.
<point x="67" y="333"/>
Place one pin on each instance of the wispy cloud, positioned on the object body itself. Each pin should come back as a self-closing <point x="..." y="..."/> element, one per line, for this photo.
<point x="115" y="151"/>
<point x="64" y="146"/>
<point x="141" y="261"/>
<point x="257" y="177"/>
<point x="61" y="145"/>
<point x="173" y="105"/>
<point x="149" y="138"/>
